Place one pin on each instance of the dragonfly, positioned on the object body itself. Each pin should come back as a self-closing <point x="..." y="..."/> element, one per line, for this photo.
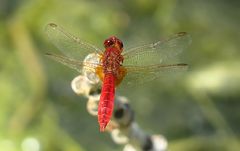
<point x="114" y="65"/>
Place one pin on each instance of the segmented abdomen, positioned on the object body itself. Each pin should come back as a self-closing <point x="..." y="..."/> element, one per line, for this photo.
<point x="105" y="106"/>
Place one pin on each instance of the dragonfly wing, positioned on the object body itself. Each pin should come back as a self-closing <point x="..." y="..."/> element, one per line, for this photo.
<point x="68" y="44"/>
<point x="72" y="63"/>
<point x="157" y="52"/>
<point x="139" y="75"/>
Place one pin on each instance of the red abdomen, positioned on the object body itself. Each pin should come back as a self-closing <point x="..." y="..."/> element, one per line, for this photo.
<point x="105" y="106"/>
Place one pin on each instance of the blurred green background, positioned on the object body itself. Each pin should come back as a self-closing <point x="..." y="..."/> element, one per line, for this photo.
<point x="198" y="110"/>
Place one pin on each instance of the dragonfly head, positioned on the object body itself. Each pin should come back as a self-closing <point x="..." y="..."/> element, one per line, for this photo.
<point x="113" y="42"/>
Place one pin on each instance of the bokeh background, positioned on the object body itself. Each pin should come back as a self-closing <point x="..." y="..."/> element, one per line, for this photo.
<point x="198" y="110"/>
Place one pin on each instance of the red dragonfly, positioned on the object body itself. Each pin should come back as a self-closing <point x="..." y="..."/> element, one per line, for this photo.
<point x="113" y="65"/>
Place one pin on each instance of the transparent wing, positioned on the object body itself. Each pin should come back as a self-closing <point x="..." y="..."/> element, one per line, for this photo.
<point x="74" y="64"/>
<point x="87" y="67"/>
<point x="139" y="75"/>
<point x="158" y="52"/>
<point x="68" y="44"/>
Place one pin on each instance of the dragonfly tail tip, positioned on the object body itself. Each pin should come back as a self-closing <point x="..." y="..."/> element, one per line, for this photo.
<point x="102" y="128"/>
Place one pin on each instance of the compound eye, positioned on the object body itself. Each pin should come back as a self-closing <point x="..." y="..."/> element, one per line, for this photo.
<point x="108" y="43"/>
<point x="121" y="44"/>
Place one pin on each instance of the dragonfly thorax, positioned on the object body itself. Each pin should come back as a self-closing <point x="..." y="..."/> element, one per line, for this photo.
<point x="112" y="60"/>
